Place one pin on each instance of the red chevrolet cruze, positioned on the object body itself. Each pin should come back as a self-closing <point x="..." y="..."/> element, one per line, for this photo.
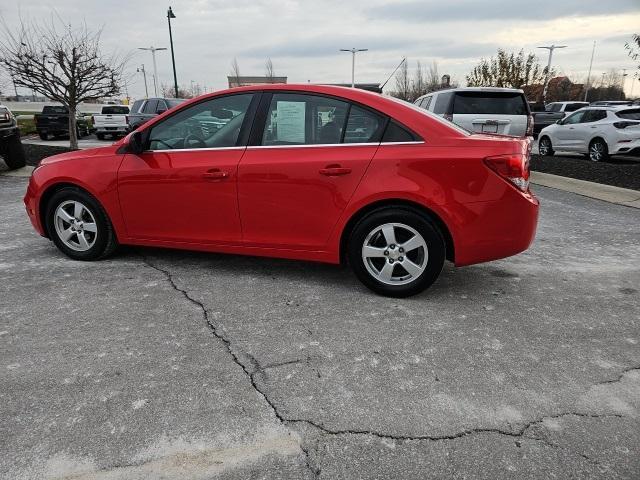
<point x="308" y="172"/>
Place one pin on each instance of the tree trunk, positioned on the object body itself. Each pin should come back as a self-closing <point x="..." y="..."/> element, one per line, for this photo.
<point x="73" y="133"/>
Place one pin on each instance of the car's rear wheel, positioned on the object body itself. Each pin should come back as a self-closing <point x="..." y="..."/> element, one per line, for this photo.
<point x="396" y="252"/>
<point x="545" y="148"/>
<point x="79" y="226"/>
<point x="598" y="150"/>
<point x="13" y="153"/>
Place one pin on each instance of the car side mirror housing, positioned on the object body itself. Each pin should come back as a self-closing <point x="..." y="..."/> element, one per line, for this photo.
<point x="136" y="144"/>
<point x="559" y="122"/>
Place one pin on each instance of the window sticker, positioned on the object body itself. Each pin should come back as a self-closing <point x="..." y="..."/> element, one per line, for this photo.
<point x="290" y="122"/>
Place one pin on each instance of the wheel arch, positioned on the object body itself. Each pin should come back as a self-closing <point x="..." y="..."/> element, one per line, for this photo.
<point x="402" y="203"/>
<point x="50" y="191"/>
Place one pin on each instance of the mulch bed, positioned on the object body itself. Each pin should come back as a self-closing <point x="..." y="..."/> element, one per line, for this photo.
<point x="35" y="153"/>
<point x="619" y="172"/>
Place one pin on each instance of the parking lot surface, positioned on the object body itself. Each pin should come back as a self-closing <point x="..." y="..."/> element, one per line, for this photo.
<point x="169" y="364"/>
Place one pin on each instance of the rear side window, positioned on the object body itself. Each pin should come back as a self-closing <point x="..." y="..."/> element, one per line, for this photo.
<point x="442" y="103"/>
<point x="397" y="133"/>
<point x="115" y="110"/>
<point x="363" y="126"/>
<point x="490" y="103"/>
<point x="631" y="114"/>
<point x="594" y="115"/>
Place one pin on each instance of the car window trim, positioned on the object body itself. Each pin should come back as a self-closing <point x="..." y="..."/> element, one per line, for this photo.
<point x="242" y="137"/>
<point x="334" y="145"/>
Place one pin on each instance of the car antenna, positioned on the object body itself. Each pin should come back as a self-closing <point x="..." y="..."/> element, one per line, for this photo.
<point x="404" y="59"/>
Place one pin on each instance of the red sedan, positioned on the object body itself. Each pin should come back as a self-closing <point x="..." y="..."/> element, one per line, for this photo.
<point x="308" y="172"/>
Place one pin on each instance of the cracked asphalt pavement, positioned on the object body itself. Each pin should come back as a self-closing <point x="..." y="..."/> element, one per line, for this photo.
<point x="180" y="365"/>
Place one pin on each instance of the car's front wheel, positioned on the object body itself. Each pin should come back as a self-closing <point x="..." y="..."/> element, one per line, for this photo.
<point x="598" y="150"/>
<point x="545" y="148"/>
<point x="79" y="226"/>
<point x="396" y="252"/>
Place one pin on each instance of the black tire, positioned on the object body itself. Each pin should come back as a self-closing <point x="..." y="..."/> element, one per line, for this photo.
<point x="100" y="136"/>
<point x="13" y="153"/>
<point x="598" y="150"/>
<point x="105" y="239"/>
<point x="43" y="136"/>
<point x="545" y="145"/>
<point x="401" y="217"/>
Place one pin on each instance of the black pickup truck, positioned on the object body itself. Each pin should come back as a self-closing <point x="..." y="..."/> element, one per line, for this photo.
<point x="10" y="146"/>
<point x="54" y="120"/>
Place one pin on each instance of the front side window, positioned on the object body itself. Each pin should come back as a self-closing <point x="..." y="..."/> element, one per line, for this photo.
<point x="574" y="118"/>
<point x="215" y="123"/>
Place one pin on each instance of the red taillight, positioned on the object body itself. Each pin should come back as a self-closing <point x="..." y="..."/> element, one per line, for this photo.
<point x="530" y="122"/>
<point x="513" y="167"/>
<point x="625" y="124"/>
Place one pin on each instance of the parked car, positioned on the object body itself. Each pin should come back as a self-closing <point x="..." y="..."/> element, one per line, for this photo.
<point x="54" y="120"/>
<point x="553" y="112"/>
<point x="288" y="175"/>
<point x="113" y="120"/>
<point x="144" y="110"/>
<point x="596" y="132"/>
<point x="482" y="109"/>
<point x="10" y="146"/>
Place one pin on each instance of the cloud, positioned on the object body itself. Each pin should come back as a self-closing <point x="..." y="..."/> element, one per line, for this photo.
<point x="474" y="10"/>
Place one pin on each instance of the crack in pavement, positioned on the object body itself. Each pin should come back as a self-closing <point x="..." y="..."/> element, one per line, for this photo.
<point x="257" y="369"/>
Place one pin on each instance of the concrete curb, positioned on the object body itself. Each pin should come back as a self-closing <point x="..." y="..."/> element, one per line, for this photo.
<point x="607" y="193"/>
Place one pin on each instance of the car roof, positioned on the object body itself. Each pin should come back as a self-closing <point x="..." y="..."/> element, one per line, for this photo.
<point x="480" y="89"/>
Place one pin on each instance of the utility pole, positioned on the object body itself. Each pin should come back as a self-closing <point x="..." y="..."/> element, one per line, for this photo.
<point x="551" y="48"/>
<point x="170" y="15"/>
<point x="586" y="90"/>
<point x="144" y="75"/>
<point x="153" y="51"/>
<point x="353" y="62"/>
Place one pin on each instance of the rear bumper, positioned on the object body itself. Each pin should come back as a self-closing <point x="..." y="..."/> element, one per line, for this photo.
<point x="629" y="147"/>
<point x="497" y="229"/>
<point x="118" y="129"/>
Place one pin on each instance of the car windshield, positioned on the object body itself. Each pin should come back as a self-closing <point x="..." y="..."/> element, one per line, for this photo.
<point x="632" y="114"/>
<point x="490" y="103"/>
<point x="115" y="110"/>
<point x="427" y="113"/>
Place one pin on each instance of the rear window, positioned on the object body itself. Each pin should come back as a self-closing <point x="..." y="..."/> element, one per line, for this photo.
<point x="490" y="103"/>
<point x="55" y="109"/>
<point x="115" y="110"/>
<point x="631" y="114"/>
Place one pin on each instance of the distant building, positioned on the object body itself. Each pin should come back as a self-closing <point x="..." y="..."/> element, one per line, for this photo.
<point x="246" y="81"/>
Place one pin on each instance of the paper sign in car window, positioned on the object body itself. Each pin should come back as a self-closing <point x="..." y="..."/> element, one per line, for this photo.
<point x="291" y="122"/>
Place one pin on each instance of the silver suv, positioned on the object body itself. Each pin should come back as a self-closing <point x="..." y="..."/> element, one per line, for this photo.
<point x="482" y="109"/>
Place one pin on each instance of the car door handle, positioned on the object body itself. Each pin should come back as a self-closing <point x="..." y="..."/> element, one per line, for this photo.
<point x="334" y="171"/>
<point x="215" y="174"/>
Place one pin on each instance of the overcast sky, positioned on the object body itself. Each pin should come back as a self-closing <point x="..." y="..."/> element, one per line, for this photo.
<point x="303" y="37"/>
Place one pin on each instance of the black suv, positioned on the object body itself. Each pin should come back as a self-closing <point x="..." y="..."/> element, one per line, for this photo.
<point x="144" y="110"/>
<point x="10" y="145"/>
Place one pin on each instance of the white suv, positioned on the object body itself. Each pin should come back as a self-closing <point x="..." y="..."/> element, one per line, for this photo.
<point x="596" y="132"/>
<point x="482" y="109"/>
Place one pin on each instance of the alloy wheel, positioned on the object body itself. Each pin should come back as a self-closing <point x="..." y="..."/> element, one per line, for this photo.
<point x="395" y="254"/>
<point x="596" y="151"/>
<point x="75" y="225"/>
<point x="544" y="146"/>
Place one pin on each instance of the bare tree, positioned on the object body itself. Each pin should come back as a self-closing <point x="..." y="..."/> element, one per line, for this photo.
<point x="633" y="49"/>
<point x="62" y="63"/>
<point x="235" y="72"/>
<point x="268" y="68"/>
<point x="403" y="83"/>
<point x="168" y="91"/>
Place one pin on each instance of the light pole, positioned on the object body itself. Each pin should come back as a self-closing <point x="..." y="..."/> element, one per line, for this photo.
<point x="153" y="51"/>
<point x="586" y="90"/>
<point x="144" y="75"/>
<point x="624" y="80"/>
<point x="551" y="48"/>
<point x="170" y="15"/>
<point x="353" y="62"/>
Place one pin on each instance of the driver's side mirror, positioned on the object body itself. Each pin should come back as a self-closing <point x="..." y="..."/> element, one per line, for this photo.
<point x="559" y="122"/>
<point x="136" y="145"/>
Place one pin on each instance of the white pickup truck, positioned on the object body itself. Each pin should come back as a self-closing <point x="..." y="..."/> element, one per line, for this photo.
<point x="114" y="121"/>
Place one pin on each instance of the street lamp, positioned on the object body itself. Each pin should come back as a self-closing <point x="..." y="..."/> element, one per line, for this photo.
<point x="353" y="62"/>
<point x="153" y="51"/>
<point x="144" y="75"/>
<point x="170" y="15"/>
<point x="551" y="48"/>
